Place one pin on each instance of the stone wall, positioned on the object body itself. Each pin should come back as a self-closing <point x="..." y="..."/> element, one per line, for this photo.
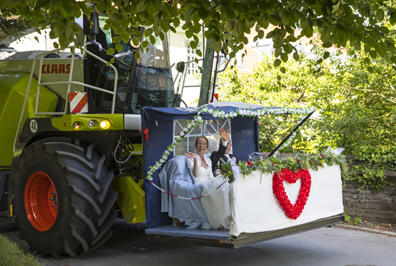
<point x="371" y="205"/>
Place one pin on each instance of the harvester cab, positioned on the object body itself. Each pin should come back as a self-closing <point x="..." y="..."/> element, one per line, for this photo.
<point x="146" y="81"/>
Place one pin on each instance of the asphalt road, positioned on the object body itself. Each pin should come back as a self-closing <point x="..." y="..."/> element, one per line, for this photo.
<point x="325" y="246"/>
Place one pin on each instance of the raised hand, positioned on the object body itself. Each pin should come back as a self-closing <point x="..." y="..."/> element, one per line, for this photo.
<point x="189" y="155"/>
<point x="225" y="135"/>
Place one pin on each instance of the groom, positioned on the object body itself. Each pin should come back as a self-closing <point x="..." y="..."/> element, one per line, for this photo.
<point x="224" y="151"/>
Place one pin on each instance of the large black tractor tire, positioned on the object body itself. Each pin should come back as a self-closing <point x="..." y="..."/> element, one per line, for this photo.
<point x="63" y="197"/>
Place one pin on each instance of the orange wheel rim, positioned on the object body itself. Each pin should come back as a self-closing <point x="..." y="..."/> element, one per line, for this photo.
<point x="41" y="201"/>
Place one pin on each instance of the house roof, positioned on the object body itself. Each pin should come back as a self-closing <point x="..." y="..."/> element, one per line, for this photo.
<point x="254" y="56"/>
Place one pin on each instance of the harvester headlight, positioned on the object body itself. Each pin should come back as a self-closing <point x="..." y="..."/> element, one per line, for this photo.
<point x="91" y="123"/>
<point x="76" y="125"/>
<point x="105" y="124"/>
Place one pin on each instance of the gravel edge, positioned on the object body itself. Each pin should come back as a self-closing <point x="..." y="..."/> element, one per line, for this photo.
<point x="357" y="228"/>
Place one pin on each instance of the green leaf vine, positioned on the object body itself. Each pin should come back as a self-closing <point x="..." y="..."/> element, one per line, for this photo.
<point x="294" y="163"/>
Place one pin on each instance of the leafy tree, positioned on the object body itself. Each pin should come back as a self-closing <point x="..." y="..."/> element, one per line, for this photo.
<point x="362" y="24"/>
<point x="10" y="27"/>
<point x="355" y="108"/>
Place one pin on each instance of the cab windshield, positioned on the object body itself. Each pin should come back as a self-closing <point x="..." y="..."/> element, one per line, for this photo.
<point x="146" y="81"/>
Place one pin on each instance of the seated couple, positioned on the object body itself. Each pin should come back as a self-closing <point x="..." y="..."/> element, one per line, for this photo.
<point x="216" y="205"/>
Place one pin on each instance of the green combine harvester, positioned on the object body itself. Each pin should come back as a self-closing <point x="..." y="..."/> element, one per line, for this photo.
<point x="70" y="121"/>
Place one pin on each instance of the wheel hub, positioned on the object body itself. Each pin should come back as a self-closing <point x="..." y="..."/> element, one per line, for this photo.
<point x="41" y="201"/>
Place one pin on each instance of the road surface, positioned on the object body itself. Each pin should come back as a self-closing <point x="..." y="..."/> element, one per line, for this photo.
<point x="325" y="246"/>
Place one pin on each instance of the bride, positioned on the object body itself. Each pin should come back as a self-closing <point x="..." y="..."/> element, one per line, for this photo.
<point x="217" y="204"/>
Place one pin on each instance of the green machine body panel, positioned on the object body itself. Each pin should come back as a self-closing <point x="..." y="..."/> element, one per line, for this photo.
<point x="13" y="88"/>
<point x="66" y="122"/>
<point x="131" y="199"/>
<point x="52" y="70"/>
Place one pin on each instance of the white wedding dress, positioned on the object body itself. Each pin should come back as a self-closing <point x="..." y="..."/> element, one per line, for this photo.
<point x="217" y="204"/>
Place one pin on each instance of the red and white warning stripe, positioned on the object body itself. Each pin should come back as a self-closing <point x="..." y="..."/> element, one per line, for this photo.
<point x="78" y="102"/>
<point x="216" y="97"/>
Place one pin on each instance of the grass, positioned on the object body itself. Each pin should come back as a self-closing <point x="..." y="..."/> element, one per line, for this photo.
<point x="12" y="255"/>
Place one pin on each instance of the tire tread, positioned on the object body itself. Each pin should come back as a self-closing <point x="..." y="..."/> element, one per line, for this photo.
<point x="89" y="199"/>
<point x="84" y="176"/>
<point x="76" y="157"/>
<point x="81" y="240"/>
<point x="85" y="219"/>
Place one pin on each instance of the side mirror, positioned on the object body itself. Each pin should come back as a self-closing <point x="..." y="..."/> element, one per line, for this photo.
<point x="180" y="67"/>
<point x="95" y="20"/>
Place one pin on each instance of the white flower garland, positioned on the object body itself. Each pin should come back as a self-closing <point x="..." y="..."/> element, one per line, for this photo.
<point x="284" y="145"/>
<point x="221" y="114"/>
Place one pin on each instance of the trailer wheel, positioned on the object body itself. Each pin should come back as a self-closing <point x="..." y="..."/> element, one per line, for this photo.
<point x="63" y="197"/>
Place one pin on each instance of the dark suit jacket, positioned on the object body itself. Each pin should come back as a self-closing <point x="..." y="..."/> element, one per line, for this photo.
<point x="216" y="155"/>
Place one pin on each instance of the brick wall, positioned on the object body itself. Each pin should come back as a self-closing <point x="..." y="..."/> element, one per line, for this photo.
<point x="371" y="205"/>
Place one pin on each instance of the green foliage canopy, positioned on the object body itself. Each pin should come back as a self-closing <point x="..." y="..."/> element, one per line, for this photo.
<point x="362" y="24"/>
<point x="355" y="108"/>
<point x="10" y="27"/>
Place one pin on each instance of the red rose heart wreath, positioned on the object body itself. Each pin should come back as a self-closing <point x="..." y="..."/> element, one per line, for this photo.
<point x="292" y="211"/>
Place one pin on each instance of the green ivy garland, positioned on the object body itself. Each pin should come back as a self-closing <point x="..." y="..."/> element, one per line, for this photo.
<point x="294" y="163"/>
